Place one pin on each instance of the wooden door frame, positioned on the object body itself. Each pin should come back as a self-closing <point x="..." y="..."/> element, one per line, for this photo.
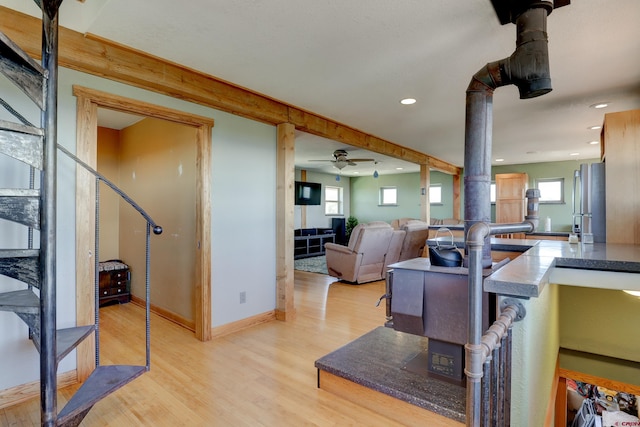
<point x="88" y="101"/>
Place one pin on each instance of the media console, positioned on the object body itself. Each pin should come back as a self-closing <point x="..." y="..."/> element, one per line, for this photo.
<point x="310" y="241"/>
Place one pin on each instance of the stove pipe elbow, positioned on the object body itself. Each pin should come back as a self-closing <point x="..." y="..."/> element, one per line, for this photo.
<point x="528" y="66"/>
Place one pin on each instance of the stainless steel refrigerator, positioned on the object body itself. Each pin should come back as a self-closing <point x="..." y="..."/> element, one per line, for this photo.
<point x="589" y="203"/>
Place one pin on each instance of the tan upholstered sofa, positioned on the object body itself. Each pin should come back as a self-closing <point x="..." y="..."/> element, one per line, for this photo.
<point x="371" y="248"/>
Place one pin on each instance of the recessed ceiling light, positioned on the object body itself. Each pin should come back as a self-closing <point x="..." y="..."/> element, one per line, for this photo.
<point x="599" y="105"/>
<point x="593" y="142"/>
<point x="356" y="173"/>
<point x="499" y="160"/>
<point x="594" y="127"/>
<point x="574" y="154"/>
<point x="408" y="101"/>
<point x="399" y="169"/>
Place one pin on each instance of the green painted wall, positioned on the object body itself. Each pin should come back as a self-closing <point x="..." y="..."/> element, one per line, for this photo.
<point x="600" y="321"/>
<point x="365" y="197"/>
<point x="445" y="209"/>
<point x="365" y="190"/>
<point x="560" y="214"/>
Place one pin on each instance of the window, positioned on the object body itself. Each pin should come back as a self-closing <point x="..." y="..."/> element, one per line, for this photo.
<point x="492" y="192"/>
<point x="435" y="194"/>
<point x="388" y="196"/>
<point x="551" y="190"/>
<point x="332" y="200"/>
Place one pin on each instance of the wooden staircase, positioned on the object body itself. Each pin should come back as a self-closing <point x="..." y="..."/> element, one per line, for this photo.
<point x="35" y="209"/>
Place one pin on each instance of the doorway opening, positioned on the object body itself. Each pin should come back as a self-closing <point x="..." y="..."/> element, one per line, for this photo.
<point x="153" y="161"/>
<point x="88" y="102"/>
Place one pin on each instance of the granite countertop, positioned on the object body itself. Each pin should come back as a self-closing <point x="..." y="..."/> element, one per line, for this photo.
<point x="552" y="261"/>
<point x="450" y="227"/>
<point x="550" y="233"/>
<point x="576" y="264"/>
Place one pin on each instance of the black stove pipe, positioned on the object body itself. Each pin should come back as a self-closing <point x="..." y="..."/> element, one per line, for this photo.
<point x="528" y="69"/>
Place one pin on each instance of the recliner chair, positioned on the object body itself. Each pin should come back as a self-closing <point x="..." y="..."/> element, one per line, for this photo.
<point x="364" y="259"/>
<point x="415" y="239"/>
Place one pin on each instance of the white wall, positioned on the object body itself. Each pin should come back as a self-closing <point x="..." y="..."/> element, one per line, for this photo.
<point x="243" y="218"/>
<point x="18" y="357"/>
<point x="315" y="214"/>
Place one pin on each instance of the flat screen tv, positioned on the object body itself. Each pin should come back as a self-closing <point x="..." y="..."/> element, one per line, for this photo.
<point x="308" y="193"/>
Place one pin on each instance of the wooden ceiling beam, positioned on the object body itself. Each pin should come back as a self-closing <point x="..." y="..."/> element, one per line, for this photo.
<point x="100" y="57"/>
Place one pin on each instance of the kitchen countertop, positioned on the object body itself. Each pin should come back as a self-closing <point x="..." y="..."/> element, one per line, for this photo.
<point x="560" y="262"/>
<point x="550" y="233"/>
<point x="575" y="264"/>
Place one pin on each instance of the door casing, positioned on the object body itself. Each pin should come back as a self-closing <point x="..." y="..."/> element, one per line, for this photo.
<point x="88" y="102"/>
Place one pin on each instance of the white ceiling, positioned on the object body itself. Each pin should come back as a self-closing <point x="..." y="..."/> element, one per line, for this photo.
<point x="353" y="60"/>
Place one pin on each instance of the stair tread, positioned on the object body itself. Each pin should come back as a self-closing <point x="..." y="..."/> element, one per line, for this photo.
<point x="20" y="205"/>
<point x="19" y="56"/>
<point x="23" y="71"/>
<point x="24" y="301"/>
<point x="19" y="253"/>
<point x="21" y="264"/>
<point x="19" y="127"/>
<point x="69" y="338"/>
<point x="19" y="192"/>
<point x="102" y="382"/>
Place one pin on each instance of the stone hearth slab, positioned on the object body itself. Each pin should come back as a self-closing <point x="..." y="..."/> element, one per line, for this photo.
<point x="378" y="360"/>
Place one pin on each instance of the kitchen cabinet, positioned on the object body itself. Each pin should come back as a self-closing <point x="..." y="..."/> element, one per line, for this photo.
<point x="620" y="148"/>
<point x="511" y="203"/>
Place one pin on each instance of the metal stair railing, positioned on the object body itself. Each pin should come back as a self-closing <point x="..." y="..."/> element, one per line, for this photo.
<point x="151" y="225"/>
<point x="36" y="209"/>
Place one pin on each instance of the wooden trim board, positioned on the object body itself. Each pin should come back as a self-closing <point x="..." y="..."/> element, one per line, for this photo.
<point x="381" y="403"/>
<point x="22" y="393"/>
<point x="230" y="328"/>
<point x="88" y="101"/>
<point x="90" y="54"/>
<point x="166" y="314"/>
<point x="595" y="380"/>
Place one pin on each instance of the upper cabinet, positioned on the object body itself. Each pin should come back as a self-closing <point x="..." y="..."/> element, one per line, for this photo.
<point x="511" y="204"/>
<point x="621" y="154"/>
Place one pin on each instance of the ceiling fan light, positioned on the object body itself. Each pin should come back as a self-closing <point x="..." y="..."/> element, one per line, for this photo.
<point x="341" y="164"/>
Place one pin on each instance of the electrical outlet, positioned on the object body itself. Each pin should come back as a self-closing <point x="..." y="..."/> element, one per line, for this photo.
<point x="243" y="297"/>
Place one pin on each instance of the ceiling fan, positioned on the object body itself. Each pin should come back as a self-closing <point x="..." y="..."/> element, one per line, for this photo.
<point x="341" y="160"/>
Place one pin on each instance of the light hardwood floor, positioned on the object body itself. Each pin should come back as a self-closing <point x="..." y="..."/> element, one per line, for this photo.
<point x="261" y="376"/>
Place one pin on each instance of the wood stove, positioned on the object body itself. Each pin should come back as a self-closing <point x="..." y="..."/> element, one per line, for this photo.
<point x="433" y="302"/>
